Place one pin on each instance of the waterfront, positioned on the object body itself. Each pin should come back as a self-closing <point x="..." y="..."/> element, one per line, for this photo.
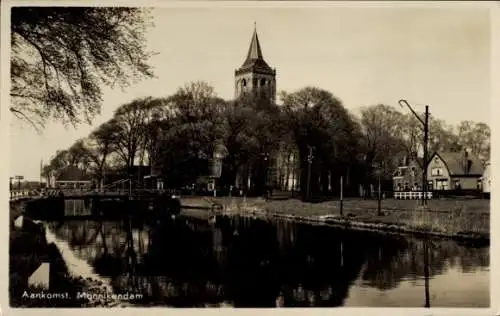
<point x="246" y="262"/>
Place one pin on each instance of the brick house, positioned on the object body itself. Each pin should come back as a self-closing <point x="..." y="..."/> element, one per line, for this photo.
<point x="408" y="176"/>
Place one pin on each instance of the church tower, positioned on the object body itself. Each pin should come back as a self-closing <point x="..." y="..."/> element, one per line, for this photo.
<point x="255" y="76"/>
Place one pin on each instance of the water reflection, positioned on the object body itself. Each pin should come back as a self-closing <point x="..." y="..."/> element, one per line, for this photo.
<point x="255" y="263"/>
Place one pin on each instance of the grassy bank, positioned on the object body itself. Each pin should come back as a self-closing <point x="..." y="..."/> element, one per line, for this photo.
<point x="28" y="248"/>
<point x="456" y="218"/>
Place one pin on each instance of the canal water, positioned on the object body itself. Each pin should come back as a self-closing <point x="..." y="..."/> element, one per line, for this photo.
<point x="241" y="262"/>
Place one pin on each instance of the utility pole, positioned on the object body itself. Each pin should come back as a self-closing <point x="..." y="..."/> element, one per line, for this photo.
<point x="425" y="128"/>
<point x="309" y="161"/>
<point x="341" y="195"/>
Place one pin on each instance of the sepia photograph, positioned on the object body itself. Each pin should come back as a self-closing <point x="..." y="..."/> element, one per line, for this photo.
<point x="265" y="155"/>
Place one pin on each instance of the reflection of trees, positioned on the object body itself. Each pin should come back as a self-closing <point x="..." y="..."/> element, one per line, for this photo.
<point x="385" y="264"/>
<point x="251" y="262"/>
<point x="285" y="234"/>
<point x="329" y="260"/>
<point x="405" y="260"/>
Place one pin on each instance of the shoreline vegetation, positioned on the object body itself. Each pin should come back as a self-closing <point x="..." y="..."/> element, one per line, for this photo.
<point x="462" y="220"/>
<point x="28" y="249"/>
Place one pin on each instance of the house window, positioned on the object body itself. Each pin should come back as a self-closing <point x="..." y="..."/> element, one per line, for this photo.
<point x="441" y="184"/>
<point x="412" y="172"/>
<point x="430" y="185"/>
<point x="263" y="82"/>
<point x="436" y="171"/>
<point x="457" y="184"/>
<point x="400" y="173"/>
<point x="406" y="186"/>
<point x="244" y="82"/>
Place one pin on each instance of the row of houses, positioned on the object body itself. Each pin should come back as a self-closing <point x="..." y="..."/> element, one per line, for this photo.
<point x="74" y="178"/>
<point x="447" y="171"/>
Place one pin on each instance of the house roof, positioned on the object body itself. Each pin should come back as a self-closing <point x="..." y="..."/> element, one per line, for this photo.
<point x="419" y="162"/>
<point x="455" y="162"/>
<point x="72" y="173"/>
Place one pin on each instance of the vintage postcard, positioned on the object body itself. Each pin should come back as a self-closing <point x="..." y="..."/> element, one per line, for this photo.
<point x="262" y="155"/>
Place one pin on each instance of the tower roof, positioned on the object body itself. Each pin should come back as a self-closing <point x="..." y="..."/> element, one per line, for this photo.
<point x="254" y="56"/>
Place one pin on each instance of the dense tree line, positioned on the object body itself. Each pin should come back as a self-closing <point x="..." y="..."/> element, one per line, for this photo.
<point x="63" y="56"/>
<point x="180" y="133"/>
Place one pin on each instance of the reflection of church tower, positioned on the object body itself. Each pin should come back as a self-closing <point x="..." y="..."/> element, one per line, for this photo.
<point x="255" y="75"/>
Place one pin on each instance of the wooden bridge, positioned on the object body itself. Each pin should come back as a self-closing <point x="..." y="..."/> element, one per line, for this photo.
<point x="112" y="203"/>
<point x="69" y="194"/>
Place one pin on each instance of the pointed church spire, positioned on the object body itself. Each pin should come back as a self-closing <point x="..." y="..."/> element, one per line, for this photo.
<point x="254" y="51"/>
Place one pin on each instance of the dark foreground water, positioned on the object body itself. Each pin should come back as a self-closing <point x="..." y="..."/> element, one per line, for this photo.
<point x="255" y="263"/>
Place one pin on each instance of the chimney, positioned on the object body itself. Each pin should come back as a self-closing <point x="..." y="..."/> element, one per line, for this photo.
<point x="467" y="161"/>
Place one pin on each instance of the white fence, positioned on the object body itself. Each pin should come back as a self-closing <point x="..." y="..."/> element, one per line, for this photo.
<point x="411" y="195"/>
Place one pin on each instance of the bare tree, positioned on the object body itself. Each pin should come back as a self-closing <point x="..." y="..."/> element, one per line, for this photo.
<point x="476" y="137"/>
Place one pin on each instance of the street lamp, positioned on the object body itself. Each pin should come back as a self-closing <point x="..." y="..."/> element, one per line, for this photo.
<point x="379" y="206"/>
<point x="265" y="165"/>
<point x="293" y="173"/>
<point x="19" y="178"/>
<point x="310" y="158"/>
<point x="425" y="123"/>
<point x="10" y="185"/>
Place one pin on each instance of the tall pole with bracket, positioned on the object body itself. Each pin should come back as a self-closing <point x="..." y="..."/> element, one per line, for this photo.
<point x="425" y="129"/>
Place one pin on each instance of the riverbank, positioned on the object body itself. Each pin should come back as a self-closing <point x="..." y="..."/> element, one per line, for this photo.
<point x="457" y="219"/>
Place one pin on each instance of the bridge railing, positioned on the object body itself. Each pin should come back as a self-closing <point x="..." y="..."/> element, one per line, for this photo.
<point x="411" y="195"/>
<point x="23" y="194"/>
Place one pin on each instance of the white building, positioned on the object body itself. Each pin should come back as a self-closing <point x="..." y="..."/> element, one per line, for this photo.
<point x="486" y="178"/>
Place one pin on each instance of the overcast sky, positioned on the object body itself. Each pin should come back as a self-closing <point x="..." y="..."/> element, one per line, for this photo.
<point x="364" y="56"/>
